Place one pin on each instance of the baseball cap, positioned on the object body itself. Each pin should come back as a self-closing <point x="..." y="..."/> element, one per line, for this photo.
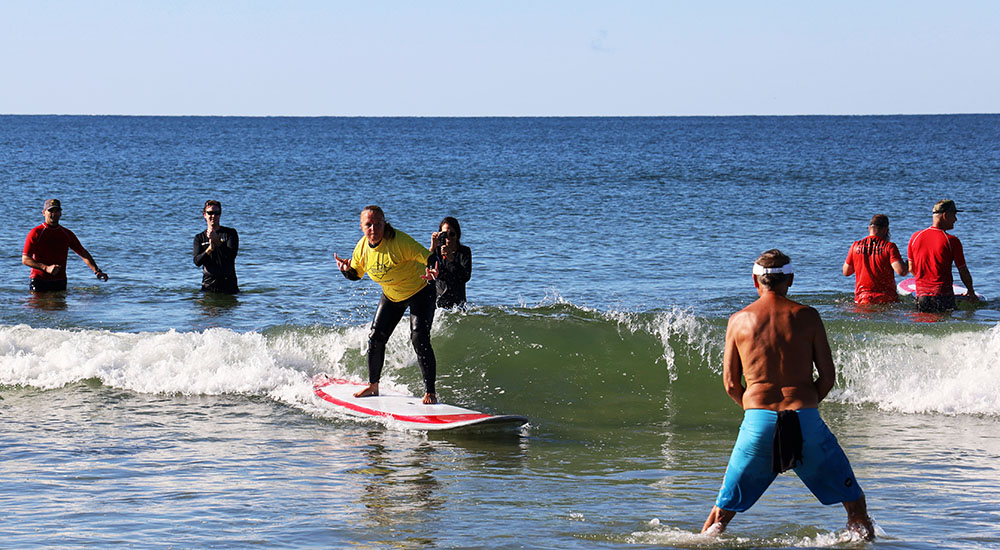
<point x="946" y="205"/>
<point x="52" y="203"/>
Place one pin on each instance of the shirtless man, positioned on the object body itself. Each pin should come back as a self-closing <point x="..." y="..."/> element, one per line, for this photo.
<point x="773" y="343"/>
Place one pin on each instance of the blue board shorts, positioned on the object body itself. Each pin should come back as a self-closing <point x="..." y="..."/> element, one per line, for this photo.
<point x="824" y="469"/>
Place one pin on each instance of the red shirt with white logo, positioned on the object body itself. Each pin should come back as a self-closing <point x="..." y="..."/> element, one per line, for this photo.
<point x="874" y="278"/>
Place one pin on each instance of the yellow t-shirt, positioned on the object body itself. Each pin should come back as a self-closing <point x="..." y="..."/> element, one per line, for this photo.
<point x="396" y="264"/>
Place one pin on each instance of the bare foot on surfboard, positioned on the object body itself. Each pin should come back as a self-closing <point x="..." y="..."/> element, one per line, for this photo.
<point x="430" y="399"/>
<point x="370" y="391"/>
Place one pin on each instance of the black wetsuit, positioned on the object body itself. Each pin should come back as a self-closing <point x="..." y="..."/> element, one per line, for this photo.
<point x="452" y="276"/>
<point x="219" y="267"/>
<point x="387" y="316"/>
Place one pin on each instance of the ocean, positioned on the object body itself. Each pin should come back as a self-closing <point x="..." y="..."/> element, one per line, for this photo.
<point x="608" y="254"/>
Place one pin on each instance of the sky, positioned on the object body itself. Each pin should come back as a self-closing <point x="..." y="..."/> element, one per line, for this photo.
<point x="499" y="58"/>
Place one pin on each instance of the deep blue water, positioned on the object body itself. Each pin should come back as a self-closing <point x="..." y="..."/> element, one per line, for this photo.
<point x="607" y="254"/>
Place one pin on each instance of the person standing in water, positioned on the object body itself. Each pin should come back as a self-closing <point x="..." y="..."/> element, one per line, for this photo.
<point x="931" y="252"/>
<point x="453" y="262"/>
<point x="46" y="249"/>
<point x="872" y="261"/>
<point x="773" y="345"/>
<point x="215" y="251"/>
<point x="398" y="263"/>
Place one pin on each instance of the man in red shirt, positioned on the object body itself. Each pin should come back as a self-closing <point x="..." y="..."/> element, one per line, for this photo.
<point x="931" y="253"/>
<point x="46" y="249"/>
<point x="872" y="261"/>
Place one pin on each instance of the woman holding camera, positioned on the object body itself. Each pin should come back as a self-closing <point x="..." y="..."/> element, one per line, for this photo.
<point x="452" y="261"/>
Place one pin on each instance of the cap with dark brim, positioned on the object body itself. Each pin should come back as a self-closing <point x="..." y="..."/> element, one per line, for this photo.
<point x="946" y="205"/>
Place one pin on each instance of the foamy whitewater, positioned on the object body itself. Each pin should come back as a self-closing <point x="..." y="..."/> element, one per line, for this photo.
<point x="607" y="256"/>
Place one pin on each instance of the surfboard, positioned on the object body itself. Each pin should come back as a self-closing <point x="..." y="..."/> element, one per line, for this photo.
<point x="908" y="286"/>
<point x="407" y="411"/>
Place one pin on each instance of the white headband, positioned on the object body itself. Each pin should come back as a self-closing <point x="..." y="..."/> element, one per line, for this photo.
<point x="761" y="270"/>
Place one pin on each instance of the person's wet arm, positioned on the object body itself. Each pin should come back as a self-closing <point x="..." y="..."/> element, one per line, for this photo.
<point x="34" y="264"/>
<point x="464" y="271"/>
<point x="901" y="268"/>
<point x="823" y="360"/>
<point x="92" y="264"/>
<point x="200" y="251"/>
<point x="963" y="273"/>
<point x="897" y="262"/>
<point x="732" y="367"/>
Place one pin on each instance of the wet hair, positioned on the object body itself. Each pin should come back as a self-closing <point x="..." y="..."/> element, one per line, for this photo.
<point x="211" y="203"/>
<point x="879" y="220"/>
<point x="454" y="225"/>
<point x="390" y="233"/>
<point x="773" y="258"/>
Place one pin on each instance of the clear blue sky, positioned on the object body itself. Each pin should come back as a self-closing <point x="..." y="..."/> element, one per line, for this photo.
<point x="504" y="58"/>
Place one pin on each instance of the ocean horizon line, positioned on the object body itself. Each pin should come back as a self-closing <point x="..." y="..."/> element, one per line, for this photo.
<point x="468" y="117"/>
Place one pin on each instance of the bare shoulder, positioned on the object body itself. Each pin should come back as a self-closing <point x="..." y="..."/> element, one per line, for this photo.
<point x="741" y="317"/>
<point x="806" y="316"/>
<point x="741" y="324"/>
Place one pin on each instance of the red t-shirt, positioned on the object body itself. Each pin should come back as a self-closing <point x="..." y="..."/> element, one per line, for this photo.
<point x="932" y="251"/>
<point x="874" y="278"/>
<point x="50" y="245"/>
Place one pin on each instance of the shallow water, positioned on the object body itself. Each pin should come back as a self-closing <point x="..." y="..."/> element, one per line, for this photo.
<point x="608" y="254"/>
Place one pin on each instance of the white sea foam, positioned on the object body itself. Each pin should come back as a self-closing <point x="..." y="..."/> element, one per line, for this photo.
<point x="676" y="537"/>
<point x="680" y="328"/>
<point x="956" y="373"/>
<point x="216" y="361"/>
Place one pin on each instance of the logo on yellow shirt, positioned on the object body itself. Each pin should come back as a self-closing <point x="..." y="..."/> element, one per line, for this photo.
<point x="381" y="267"/>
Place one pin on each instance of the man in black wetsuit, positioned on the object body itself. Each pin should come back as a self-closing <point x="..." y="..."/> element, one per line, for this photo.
<point x="215" y="252"/>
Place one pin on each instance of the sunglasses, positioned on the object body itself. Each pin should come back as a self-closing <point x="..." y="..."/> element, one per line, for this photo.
<point x="213" y="212"/>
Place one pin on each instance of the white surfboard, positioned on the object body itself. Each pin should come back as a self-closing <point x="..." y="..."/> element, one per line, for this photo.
<point x="908" y="286"/>
<point x="408" y="411"/>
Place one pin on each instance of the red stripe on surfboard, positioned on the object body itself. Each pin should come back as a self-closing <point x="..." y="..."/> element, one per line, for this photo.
<point x="420" y="419"/>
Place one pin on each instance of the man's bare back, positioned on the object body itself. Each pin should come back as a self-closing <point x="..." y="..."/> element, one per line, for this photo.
<point x="773" y="344"/>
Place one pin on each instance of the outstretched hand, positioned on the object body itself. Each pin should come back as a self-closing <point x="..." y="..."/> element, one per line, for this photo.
<point x="342" y="264"/>
<point x="430" y="274"/>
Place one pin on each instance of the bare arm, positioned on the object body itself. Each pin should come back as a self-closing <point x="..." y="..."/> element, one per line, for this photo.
<point x="732" y="365"/>
<point x="963" y="272"/>
<point x="30" y="262"/>
<point x="89" y="260"/>
<point x="823" y="360"/>
<point x="848" y="269"/>
<point x="900" y="268"/>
